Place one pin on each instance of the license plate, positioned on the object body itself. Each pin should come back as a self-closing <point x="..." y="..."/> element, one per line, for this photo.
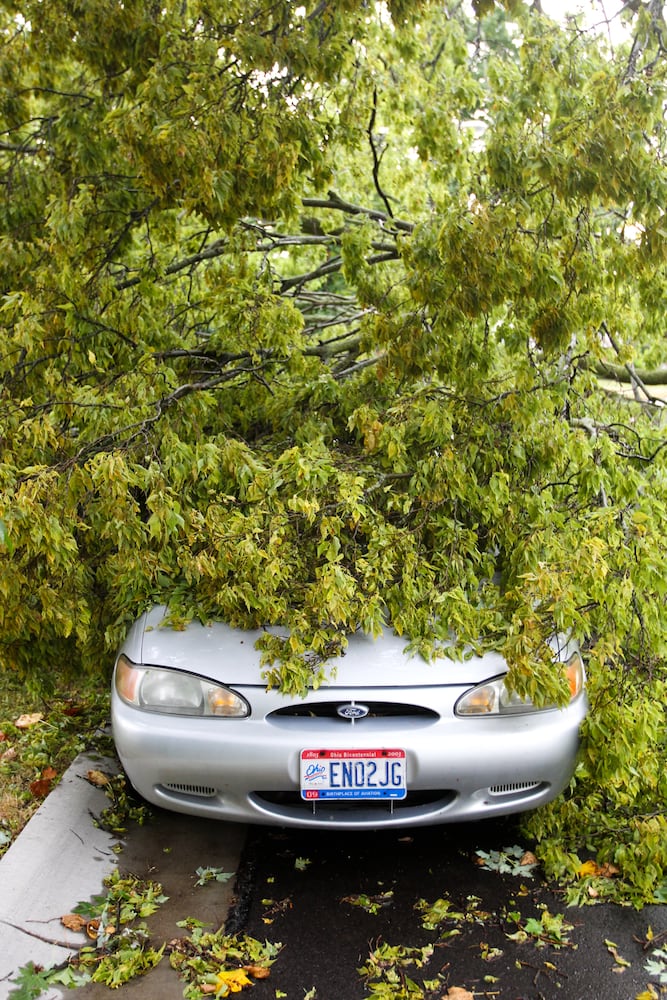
<point x="353" y="774"/>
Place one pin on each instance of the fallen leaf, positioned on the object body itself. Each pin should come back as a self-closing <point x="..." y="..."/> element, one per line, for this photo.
<point x="9" y="754"/>
<point x="257" y="971"/>
<point x="98" y="778"/>
<point x="207" y="875"/>
<point x="508" y="861"/>
<point x="233" y="979"/>
<point x="459" y="993"/>
<point x="26" y="721"/>
<point x="621" y="963"/>
<point x="3" y="736"/>
<point x="371" y="904"/>
<point x="73" y="921"/>
<point x="593" y="869"/>
<point x="41" y="788"/>
<point x="92" y="929"/>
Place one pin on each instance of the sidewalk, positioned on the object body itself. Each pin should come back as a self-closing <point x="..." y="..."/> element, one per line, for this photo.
<point x="61" y="858"/>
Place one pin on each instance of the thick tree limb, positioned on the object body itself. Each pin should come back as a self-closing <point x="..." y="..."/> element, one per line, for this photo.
<point x="655" y="376"/>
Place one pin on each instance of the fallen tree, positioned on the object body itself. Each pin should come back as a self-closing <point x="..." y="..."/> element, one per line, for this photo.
<point x="302" y="308"/>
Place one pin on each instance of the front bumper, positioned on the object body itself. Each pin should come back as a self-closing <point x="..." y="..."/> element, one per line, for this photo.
<point x="247" y="770"/>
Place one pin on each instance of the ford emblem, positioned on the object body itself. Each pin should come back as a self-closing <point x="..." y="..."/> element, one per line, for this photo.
<point x="352" y="711"/>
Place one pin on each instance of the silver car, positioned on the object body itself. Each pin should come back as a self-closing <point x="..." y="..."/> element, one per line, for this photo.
<point x="389" y="740"/>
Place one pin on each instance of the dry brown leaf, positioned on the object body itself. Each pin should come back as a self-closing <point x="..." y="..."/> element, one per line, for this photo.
<point x="73" y="921"/>
<point x="49" y="773"/>
<point x="9" y="754"/>
<point x="257" y="971"/>
<point x="98" y="778"/>
<point x="528" y="859"/>
<point x="208" y="988"/>
<point x="93" y="928"/>
<point x="26" y="721"/>
<point x="459" y="993"/>
<point x="41" y="788"/>
<point x="3" y="736"/>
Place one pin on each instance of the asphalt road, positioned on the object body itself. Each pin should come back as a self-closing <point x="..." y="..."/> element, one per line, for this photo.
<point x="314" y="892"/>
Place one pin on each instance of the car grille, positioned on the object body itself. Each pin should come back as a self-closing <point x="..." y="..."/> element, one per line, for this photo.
<point x="376" y="710"/>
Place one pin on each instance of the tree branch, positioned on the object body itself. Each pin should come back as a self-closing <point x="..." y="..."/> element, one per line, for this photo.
<point x="638" y="385"/>
<point x="377" y="158"/>
<point x="655" y="376"/>
<point x="337" y="204"/>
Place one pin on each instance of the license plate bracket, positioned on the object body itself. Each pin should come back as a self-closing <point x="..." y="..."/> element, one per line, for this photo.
<point x="356" y="774"/>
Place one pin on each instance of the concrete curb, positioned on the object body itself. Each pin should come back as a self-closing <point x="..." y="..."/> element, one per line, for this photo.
<point x="60" y="858"/>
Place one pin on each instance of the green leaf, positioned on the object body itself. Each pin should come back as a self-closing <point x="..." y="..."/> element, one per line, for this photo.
<point x="30" y="982"/>
<point x="206" y="875"/>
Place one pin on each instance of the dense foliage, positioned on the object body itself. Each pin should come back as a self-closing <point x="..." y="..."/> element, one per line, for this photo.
<point x="303" y="309"/>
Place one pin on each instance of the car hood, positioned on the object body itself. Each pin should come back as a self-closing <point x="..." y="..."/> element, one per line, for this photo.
<point x="228" y="655"/>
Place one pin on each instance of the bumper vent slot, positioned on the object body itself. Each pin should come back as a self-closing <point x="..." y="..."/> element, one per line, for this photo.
<point x="201" y="791"/>
<point x="512" y="789"/>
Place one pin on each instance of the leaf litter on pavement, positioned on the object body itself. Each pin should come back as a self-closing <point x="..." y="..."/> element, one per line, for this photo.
<point x="473" y="948"/>
<point x="120" y="949"/>
<point x="215" y="963"/>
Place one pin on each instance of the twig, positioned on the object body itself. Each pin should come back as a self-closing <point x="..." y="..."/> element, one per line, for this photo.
<point x="377" y="158"/>
<point x="655" y="942"/>
<point x="59" y="944"/>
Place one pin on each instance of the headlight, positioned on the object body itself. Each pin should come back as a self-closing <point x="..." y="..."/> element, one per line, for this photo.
<point x="494" y="698"/>
<point x="172" y="692"/>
